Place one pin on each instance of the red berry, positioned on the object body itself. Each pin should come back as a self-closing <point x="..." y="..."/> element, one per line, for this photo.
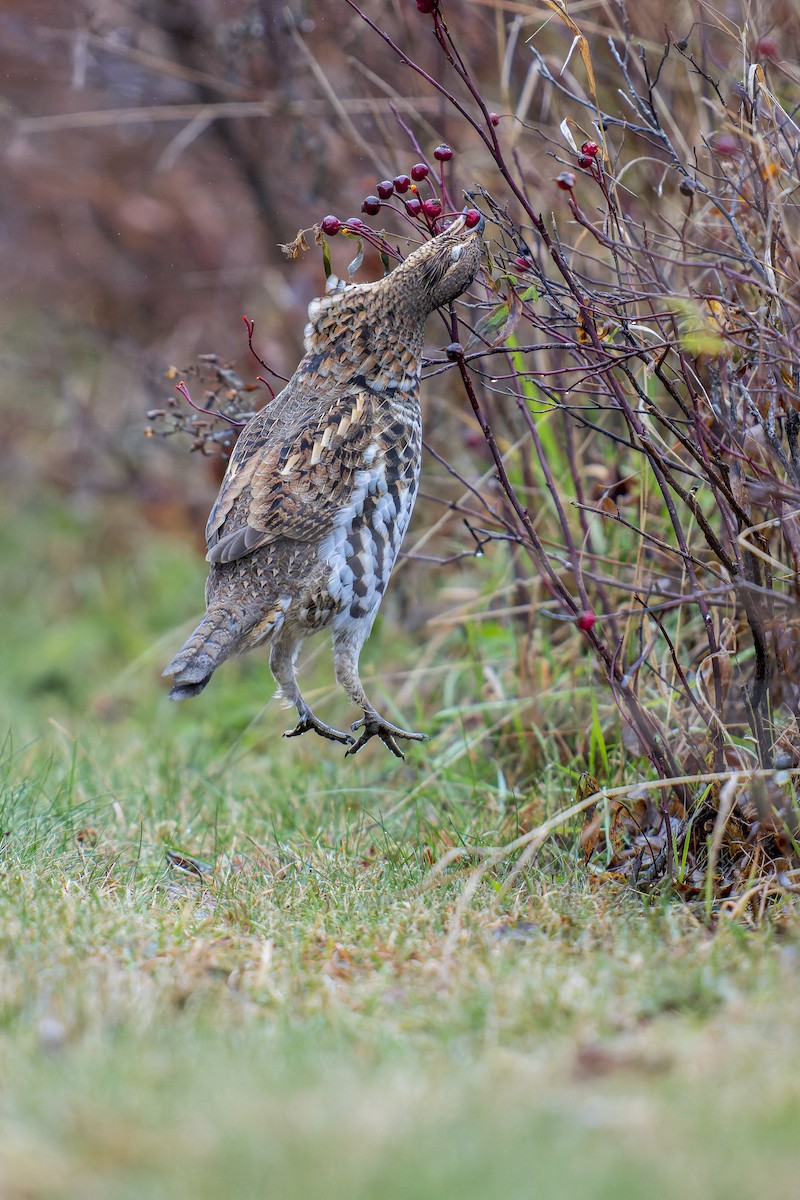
<point x="725" y="145"/>
<point x="585" y="161"/>
<point x="419" y="171"/>
<point x="494" y="118"/>
<point x="330" y="225"/>
<point x="524" y="261"/>
<point x="590" y="148"/>
<point x="414" y="206"/>
<point x="385" y="189"/>
<point x="432" y="208"/>
<point x="371" y="206"/>
<point x="566" y="181"/>
<point x="401" y="183"/>
<point x="767" y="47"/>
<point x="354" y="223"/>
<point x="585" y="621"/>
<point x="443" y="153"/>
<point x="427" y="6"/>
<point x="472" y="218"/>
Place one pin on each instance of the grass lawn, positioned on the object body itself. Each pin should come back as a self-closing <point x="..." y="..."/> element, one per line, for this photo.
<point x="223" y="973"/>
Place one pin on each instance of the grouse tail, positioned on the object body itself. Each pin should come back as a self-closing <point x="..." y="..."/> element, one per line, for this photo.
<point x="215" y="639"/>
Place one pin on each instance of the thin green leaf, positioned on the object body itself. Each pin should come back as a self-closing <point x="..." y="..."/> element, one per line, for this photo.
<point x="500" y="323"/>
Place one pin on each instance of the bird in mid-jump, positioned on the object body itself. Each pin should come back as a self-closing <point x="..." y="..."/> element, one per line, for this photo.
<point x="320" y="487"/>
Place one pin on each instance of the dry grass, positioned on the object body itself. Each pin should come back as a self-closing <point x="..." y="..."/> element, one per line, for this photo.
<point x="224" y="965"/>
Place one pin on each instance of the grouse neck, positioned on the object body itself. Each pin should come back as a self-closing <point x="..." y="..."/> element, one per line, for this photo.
<point x="363" y="336"/>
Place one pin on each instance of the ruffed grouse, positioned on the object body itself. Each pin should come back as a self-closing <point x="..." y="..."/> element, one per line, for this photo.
<point x="320" y="486"/>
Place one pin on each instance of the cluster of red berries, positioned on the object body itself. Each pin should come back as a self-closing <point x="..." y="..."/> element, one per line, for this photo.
<point x="586" y="161"/>
<point x="400" y="185"/>
<point x="414" y="205"/>
<point x="589" y="152"/>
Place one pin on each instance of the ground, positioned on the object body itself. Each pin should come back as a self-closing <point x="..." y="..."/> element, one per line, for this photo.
<point x="228" y="971"/>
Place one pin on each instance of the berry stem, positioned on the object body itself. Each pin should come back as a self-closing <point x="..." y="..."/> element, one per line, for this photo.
<point x="412" y="137"/>
<point x="208" y="412"/>
<point x="250" y="326"/>
<point x="267" y="385"/>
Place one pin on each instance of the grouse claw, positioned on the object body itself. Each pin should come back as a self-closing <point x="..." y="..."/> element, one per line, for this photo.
<point x="373" y="725"/>
<point x="309" y="721"/>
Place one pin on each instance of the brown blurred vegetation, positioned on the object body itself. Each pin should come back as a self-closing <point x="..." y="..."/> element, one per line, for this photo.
<point x="141" y="220"/>
<point x="157" y="154"/>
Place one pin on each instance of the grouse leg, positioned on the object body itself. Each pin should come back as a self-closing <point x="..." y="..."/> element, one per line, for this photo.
<point x="346" y="651"/>
<point x="282" y="659"/>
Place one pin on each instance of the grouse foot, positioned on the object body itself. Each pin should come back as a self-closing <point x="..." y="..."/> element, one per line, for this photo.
<point x="372" y="725"/>
<point x="309" y="721"/>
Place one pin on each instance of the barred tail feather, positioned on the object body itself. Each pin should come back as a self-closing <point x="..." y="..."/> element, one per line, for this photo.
<point x="215" y="639"/>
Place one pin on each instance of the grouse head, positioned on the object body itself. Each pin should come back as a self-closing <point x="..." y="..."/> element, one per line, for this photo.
<point x="380" y="324"/>
<point x="442" y="268"/>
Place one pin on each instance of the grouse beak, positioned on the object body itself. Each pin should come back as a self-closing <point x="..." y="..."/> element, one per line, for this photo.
<point x="459" y="224"/>
<point x="456" y="225"/>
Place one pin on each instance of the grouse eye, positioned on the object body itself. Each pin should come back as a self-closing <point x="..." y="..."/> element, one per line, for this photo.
<point x="455" y="253"/>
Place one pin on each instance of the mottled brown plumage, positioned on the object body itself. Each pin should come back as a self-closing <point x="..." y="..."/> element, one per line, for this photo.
<point x="320" y="488"/>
